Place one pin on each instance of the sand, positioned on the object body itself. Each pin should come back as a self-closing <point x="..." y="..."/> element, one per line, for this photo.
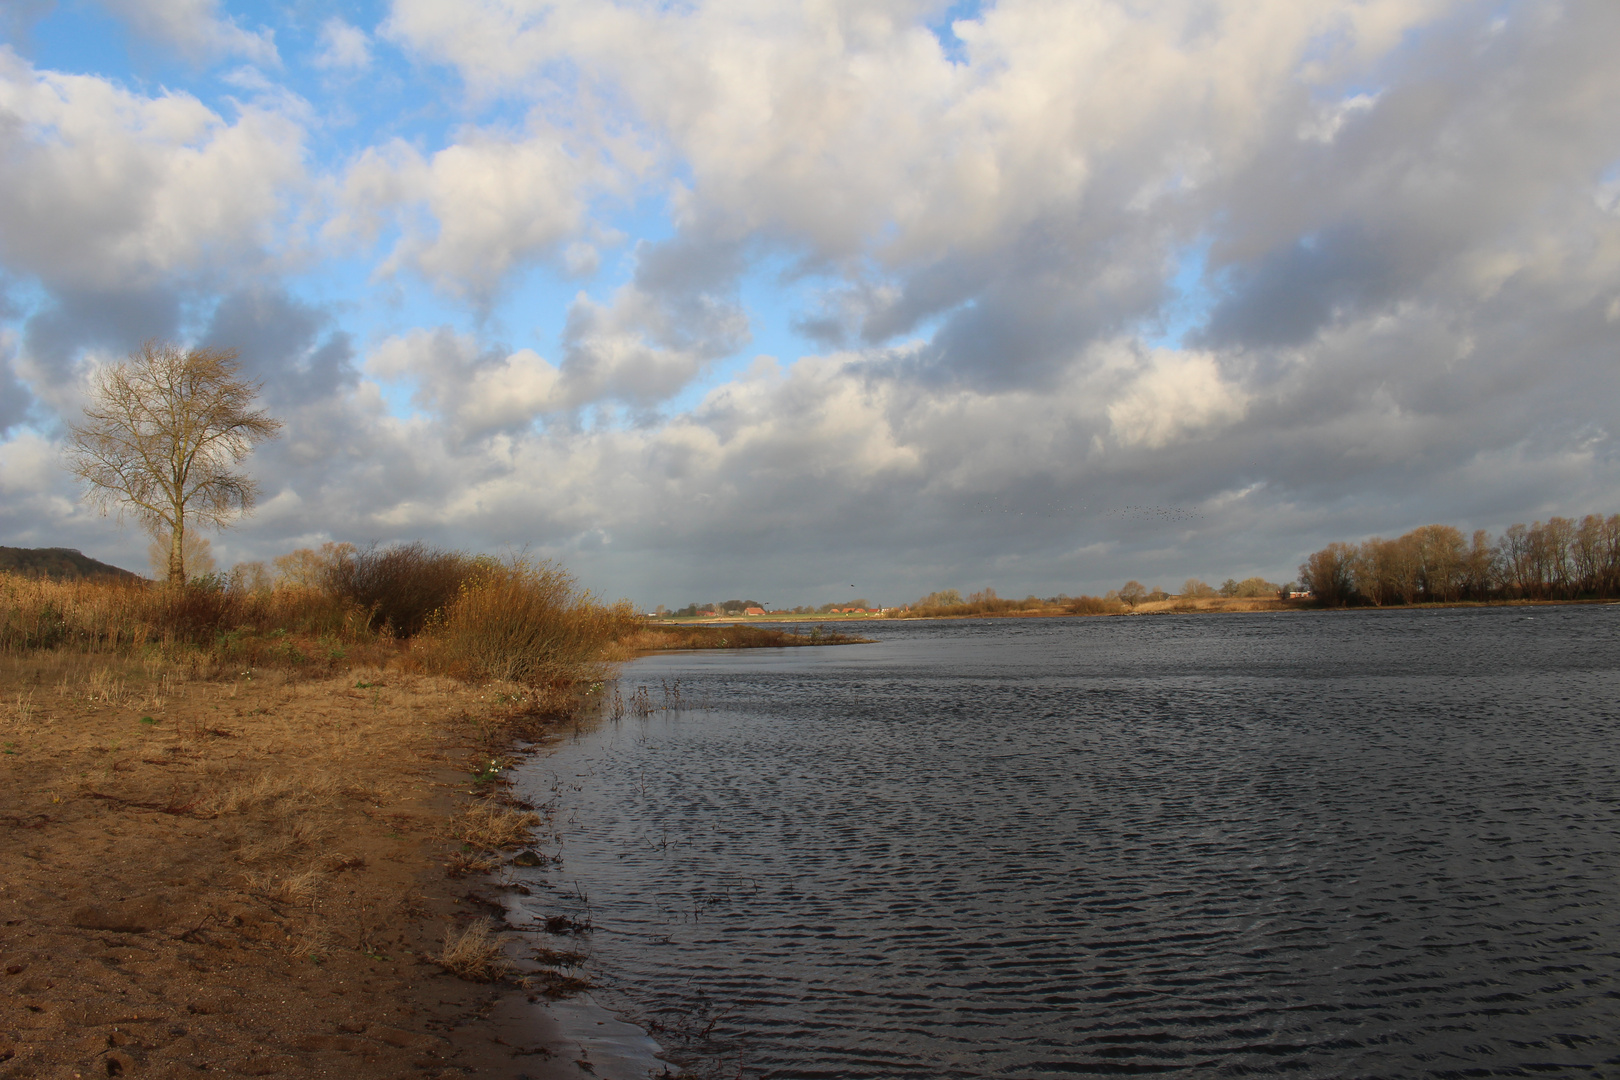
<point x="208" y="873"/>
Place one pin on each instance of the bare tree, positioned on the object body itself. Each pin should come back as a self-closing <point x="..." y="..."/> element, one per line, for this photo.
<point x="162" y="437"/>
<point x="1330" y="574"/>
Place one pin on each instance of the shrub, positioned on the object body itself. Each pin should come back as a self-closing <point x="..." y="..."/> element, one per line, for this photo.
<point x="525" y="621"/>
<point x="401" y="587"/>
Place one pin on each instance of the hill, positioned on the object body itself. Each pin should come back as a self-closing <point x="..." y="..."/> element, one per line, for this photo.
<point x="60" y="563"/>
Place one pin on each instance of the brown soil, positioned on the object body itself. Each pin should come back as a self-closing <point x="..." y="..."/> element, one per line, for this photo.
<point x="222" y="874"/>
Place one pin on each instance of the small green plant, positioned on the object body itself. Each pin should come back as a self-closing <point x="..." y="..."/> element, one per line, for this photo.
<point x="148" y="721"/>
<point x="488" y="773"/>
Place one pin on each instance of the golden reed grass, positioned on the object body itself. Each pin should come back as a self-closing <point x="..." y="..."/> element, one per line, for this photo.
<point x="518" y="620"/>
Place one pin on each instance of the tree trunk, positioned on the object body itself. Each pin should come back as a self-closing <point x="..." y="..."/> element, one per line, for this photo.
<point x="177" y="558"/>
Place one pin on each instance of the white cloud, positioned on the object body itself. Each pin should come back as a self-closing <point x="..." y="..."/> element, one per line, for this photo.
<point x="474" y="393"/>
<point x="108" y="189"/>
<point x="343" y="47"/>
<point x="472" y="212"/>
<point x="1173" y="395"/>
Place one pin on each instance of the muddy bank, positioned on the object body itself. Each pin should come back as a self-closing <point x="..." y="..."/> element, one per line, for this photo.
<point x="249" y="874"/>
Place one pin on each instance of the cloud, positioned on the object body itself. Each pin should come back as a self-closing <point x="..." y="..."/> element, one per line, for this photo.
<point x="471" y="214"/>
<point x="1173" y="394"/>
<point x="343" y="47"/>
<point x="15" y="399"/>
<point x="195" y="29"/>
<point x="475" y="391"/>
<point x="1295" y="271"/>
<point x="108" y="189"/>
<point x="293" y="347"/>
<point x="17" y="19"/>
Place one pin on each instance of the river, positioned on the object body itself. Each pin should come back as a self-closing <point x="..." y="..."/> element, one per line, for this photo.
<point x="1338" y="844"/>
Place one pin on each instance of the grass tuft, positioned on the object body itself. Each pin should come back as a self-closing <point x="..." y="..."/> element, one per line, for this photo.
<point x="474" y="953"/>
<point x="488" y="826"/>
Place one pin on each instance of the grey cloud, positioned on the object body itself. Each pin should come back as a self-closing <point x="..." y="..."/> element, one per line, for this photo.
<point x="1286" y="297"/>
<point x="827" y="331"/>
<point x="72" y="320"/>
<point x="15" y="400"/>
<point x="17" y="19"/>
<point x="292" y="346"/>
<point x="679" y="314"/>
<point x="1481" y="141"/>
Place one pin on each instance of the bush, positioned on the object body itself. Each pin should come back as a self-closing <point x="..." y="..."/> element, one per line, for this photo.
<point x="525" y="621"/>
<point x="401" y="587"/>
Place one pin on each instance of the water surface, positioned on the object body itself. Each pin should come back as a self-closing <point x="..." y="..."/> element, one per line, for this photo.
<point x="1336" y="844"/>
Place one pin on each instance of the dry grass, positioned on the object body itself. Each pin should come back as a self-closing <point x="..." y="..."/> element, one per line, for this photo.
<point x="1190" y="604"/>
<point x="736" y="636"/>
<point x="299" y="888"/>
<point x="1094" y="605"/>
<point x="408" y="607"/>
<point x="474" y="953"/>
<point x="489" y="826"/>
<point x="556" y="984"/>
<point x="462" y="864"/>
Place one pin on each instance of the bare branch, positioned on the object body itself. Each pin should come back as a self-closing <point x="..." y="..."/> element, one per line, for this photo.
<point x="163" y="435"/>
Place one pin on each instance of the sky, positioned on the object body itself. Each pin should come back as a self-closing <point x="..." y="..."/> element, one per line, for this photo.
<point x="738" y="299"/>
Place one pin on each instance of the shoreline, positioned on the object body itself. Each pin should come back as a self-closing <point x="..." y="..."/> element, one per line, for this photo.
<point x="1171" y="606"/>
<point x="256" y="874"/>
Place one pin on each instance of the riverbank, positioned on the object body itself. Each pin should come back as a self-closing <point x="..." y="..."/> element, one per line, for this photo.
<point x="248" y="873"/>
<point x="1203" y="604"/>
<point x="1173" y="605"/>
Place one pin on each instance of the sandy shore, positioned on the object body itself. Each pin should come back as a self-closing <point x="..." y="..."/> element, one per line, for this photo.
<point x="250" y="874"/>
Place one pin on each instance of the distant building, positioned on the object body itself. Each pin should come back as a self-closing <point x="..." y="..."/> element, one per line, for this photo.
<point x="1302" y="594"/>
<point x="754" y="611"/>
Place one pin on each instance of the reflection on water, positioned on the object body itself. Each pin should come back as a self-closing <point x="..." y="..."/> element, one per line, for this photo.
<point x="1343" y="844"/>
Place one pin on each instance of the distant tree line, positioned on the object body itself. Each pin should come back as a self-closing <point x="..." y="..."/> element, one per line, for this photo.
<point x="738" y="607"/>
<point x="1133" y="593"/>
<point x="1559" y="559"/>
<point x="724" y="607"/>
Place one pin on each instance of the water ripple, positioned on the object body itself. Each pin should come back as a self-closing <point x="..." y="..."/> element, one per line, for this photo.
<point x="1351" y="845"/>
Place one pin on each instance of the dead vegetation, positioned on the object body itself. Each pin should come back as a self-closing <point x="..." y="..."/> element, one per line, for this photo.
<point x="488" y="825"/>
<point x="667" y="638"/>
<point x="409" y="608"/>
<point x="473" y="952"/>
